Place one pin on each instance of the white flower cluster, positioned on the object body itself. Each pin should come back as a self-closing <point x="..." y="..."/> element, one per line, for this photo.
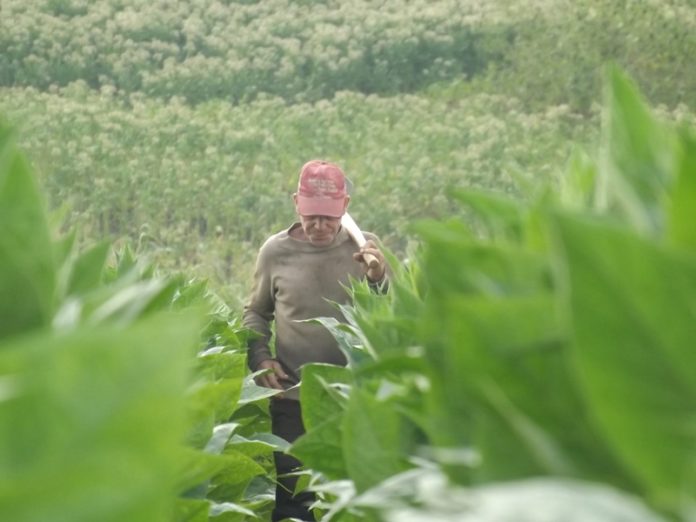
<point x="207" y="49"/>
<point x="189" y="169"/>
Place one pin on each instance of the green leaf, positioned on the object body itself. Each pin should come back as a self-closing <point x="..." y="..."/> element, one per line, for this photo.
<point x="520" y="424"/>
<point x="63" y="248"/>
<point x="191" y="510"/>
<point x="637" y="159"/>
<point x="318" y="400"/>
<point x="126" y="261"/>
<point x="467" y="351"/>
<point x="240" y="468"/>
<point x="347" y="338"/>
<point x="210" y="403"/>
<point x="633" y="311"/>
<point x="87" y="269"/>
<point x="261" y="444"/>
<point x="221" y="436"/>
<point x="372" y="440"/>
<point x="230" y="468"/>
<point x="455" y="263"/>
<point x="409" y="498"/>
<point x="393" y="364"/>
<point x="554" y="499"/>
<point x="681" y="207"/>
<point x="251" y="392"/>
<point x="134" y="301"/>
<point x="321" y="448"/>
<point x="578" y="182"/>
<point x="197" y="467"/>
<point x="27" y="271"/>
<point x="191" y="294"/>
<point x="109" y="400"/>
<point x="229" y="512"/>
<point x="500" y="215"/>
<point x="544" y="449"/>
<point x="222" y="365"/>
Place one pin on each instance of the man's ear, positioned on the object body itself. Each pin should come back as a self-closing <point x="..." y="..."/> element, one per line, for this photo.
<point x="345" y="204"/>
<point x="294" y="199"/>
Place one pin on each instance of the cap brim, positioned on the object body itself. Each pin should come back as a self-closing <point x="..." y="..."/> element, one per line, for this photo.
<point x="320" y="206"/>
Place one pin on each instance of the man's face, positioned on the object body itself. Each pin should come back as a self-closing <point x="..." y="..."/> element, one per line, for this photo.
<point x="320" y="230"/>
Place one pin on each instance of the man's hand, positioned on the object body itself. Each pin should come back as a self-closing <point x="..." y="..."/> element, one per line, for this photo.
<point x="270" y="379"/>
<point x="376" y="272"/>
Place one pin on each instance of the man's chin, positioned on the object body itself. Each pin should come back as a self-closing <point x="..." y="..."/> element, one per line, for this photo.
<point x="321" y="241"/>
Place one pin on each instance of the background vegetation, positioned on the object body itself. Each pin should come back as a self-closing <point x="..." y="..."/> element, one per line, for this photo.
<point x="181" y="126"/>
<point x="545" y="212"/>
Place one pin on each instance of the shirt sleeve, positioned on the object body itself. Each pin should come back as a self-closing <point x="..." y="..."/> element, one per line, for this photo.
<point x="259" y="312"/>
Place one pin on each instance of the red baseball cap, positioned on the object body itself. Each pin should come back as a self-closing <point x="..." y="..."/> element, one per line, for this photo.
<point x="321" y="190"/>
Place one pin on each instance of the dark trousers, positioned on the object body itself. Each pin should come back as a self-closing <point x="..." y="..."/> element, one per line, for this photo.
<point x="286" y="422"/>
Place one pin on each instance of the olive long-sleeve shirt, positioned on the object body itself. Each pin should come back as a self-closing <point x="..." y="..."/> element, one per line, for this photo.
<point x="294" y="281"/>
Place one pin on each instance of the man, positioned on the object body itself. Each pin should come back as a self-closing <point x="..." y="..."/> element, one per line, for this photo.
<point x="299" y="272"/>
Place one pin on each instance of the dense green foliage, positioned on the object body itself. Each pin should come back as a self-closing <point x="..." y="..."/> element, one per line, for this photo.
<point x="307" y="51"/>
<point x="546" y="353"/>
<point x="532" y="362"/>
<point x="302" y="51"/>
<point x="558" y="57"/>
<point x="123" y="395"/>
<point x="533" y="358"/>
